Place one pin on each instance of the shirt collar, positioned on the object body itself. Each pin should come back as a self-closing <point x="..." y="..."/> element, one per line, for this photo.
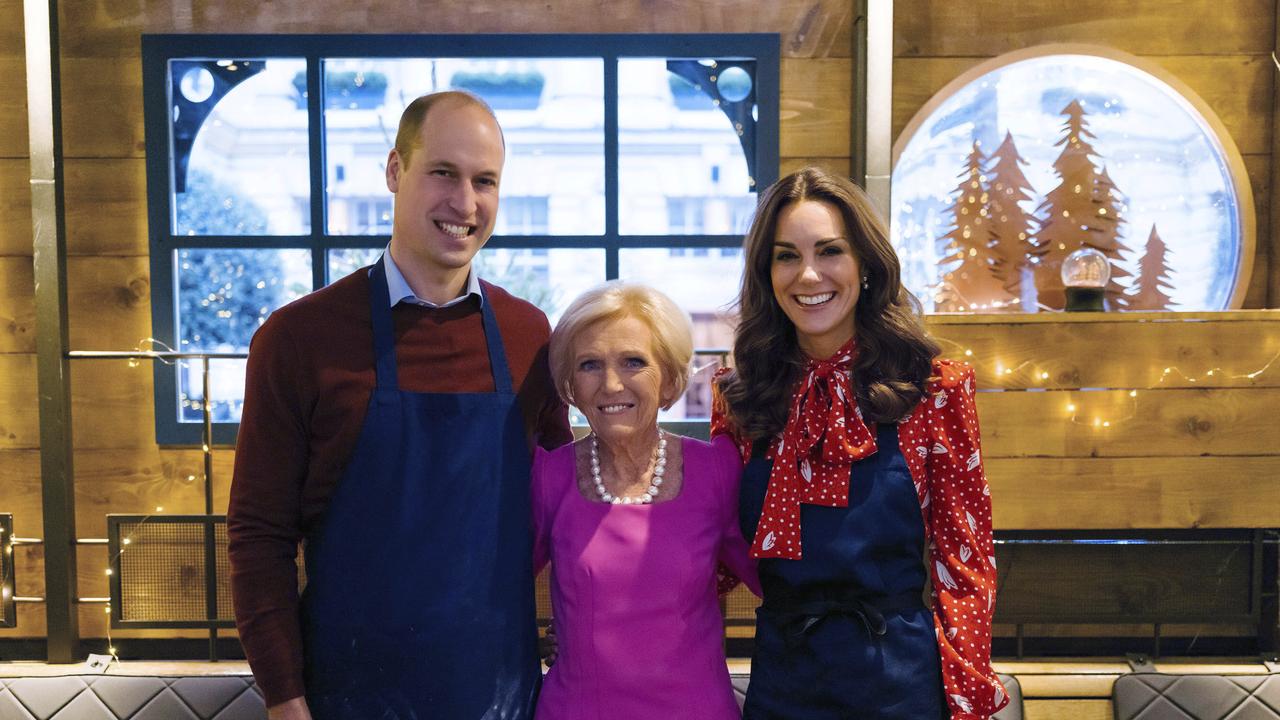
<point x="399" y="291"/>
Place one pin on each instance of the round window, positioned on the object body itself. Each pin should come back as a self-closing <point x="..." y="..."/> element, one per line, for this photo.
<point x="1039" y="153"/>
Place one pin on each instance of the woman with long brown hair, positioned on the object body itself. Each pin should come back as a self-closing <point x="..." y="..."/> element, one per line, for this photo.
<point x="863" y="483"/>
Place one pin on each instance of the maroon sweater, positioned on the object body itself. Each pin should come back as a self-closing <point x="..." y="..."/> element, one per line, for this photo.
<point x="310" y="375"/>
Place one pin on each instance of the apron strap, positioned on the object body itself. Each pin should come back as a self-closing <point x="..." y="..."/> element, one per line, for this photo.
<point x="384" y="335"/>
<point x="497" y="351"/>
<point x="384" y="340"/>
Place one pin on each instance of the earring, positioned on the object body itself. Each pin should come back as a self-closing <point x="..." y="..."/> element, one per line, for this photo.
<point x="865" y="285"/>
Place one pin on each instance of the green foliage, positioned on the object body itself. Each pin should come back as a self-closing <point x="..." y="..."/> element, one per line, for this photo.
<point x="223" y="294"/>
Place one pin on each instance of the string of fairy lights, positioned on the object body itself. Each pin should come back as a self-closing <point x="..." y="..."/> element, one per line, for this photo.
<point x="1074" y="407"/>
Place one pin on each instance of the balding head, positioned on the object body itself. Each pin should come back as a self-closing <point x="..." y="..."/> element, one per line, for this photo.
<point x="409" y="134"/>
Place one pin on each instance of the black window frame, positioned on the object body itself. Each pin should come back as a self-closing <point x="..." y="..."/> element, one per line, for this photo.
<point x="158" y="50"/>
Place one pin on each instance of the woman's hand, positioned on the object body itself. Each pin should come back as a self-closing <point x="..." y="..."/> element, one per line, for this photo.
<point x="549" y="647"/>
<point x="295" y="709"/>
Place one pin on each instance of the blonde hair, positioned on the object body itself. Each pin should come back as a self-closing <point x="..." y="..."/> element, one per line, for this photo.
<point x="672" y="332"/>
<point x="409" y="134"/>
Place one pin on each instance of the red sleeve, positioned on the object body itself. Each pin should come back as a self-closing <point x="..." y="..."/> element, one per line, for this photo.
<point x="264" y="516"/>
<point x="962" y="554"/>
<point x="721" y="424"/>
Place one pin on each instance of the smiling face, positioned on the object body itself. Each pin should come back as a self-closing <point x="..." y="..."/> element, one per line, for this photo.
<point x="617" y="380"/>
<point x="446" y="196"/>
<point x="816" y="277"/>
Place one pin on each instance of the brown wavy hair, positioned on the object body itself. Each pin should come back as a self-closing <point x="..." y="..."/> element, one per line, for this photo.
<point x="895" y="354"/>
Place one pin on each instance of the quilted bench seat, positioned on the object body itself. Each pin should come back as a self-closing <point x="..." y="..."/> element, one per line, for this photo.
<point x="117" y="697"/>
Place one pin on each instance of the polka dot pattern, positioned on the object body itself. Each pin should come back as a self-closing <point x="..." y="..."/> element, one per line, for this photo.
<point x="941" y="443"/>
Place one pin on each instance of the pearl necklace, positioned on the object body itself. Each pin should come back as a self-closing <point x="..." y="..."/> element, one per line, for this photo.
<point x="659" y="468"/>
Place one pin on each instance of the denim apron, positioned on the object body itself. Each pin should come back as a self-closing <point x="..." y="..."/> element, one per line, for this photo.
<point x="843" y="633"/>
<point x="419" y="601"/>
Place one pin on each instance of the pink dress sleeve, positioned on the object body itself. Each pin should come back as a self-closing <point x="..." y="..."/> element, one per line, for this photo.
<point x="735" y="564"/>
<point x="962" y="554"/>
<point x="541" y="510"/>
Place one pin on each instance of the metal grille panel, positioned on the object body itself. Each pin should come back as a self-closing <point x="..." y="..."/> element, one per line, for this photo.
<point x="223" y="567"/>
<point x="165" y="566"/>
<point x="161" y="571"/>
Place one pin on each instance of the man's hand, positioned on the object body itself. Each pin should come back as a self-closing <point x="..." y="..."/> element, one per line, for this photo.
<point x="295" y="709"/>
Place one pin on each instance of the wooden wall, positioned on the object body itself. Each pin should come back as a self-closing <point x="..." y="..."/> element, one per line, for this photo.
<point x="1220" y="50"/>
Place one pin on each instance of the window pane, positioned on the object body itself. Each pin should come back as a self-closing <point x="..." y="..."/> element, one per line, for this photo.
<point x="223" y="296"/>
<point x="239" y="133"/>
<point x="704" y="283"/>
<point x="344" y="261"/>
<point x="550" y="279"/>
<point x="681" y="165"/>
<point x="1055" y="153"/>
<point x="552" y="116"/>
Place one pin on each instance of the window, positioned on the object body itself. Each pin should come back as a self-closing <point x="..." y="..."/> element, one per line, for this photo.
<point x="266" y="159"/>
<point x="1038" y="153"/>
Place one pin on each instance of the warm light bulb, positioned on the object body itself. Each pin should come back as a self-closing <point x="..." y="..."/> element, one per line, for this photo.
<point x="1133" y="393"/>
<point x="1071" y="407"/>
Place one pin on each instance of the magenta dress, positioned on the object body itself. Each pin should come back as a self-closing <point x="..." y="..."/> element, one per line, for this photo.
<point x="634" y="591"/>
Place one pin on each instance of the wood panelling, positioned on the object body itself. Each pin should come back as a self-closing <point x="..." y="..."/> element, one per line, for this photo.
<point x="1143" y="492"/>
<point x="107" y="207"/>
<point x="109" y="300"/>
<point x="114" y="481"/>
<point x="17" y="304"/>
<point x="1236" y="88"/>
<point x="1160" y="423"/>
<point x="814" y="113"/>
<point x="114" y="404"/>
<point x="917" y="80"/>
<point x="19" y="414"/>
<point x="102" y="110"/>
<point x="13" y="88"/>
<point x="839" y="165"/>
<point x="1080" y="351"/>
<point x="1146" y="27"/>
<point x="809" y="28"/>
<point x="15" y="206"/>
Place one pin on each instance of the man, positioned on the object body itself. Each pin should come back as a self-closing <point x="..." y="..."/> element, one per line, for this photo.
<point x="388" y="423"/>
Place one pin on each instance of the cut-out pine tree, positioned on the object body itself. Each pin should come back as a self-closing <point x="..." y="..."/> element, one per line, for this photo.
<point x="971" y="284"/>
<point x="1068" y="209"/>
<point x="1012" y="227"/>
<point x="1151" y="289"/>
<point x="1109" y="222"/>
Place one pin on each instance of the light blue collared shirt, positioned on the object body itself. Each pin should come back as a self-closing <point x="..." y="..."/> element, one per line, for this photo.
<point x="399" y="291"/>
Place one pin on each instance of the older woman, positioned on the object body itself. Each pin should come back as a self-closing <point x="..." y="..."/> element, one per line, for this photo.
<point x="863" y="480"/>
<point x="634" y="522"/>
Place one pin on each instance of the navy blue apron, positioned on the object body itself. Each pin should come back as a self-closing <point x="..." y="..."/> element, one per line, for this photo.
<point x="843" y="633"/>
<point x="419" y="601"/>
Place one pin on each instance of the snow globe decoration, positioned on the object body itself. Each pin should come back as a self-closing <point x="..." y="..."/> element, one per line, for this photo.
<point x="1085" y="275"/>
<point x="1038" y="153"/>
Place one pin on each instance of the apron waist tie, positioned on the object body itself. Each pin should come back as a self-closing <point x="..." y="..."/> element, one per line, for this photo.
<point x="798" y="616"/>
